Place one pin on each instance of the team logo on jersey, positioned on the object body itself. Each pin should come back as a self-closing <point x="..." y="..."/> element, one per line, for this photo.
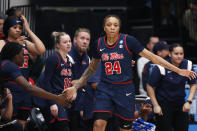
<point x="120" y="46"/>
<point x="102" y="49"/>
<point x="121" y="41"/>
<point x="112" y="56"/>
<point x="66" y="72"/>
<point x="169" y="72"/>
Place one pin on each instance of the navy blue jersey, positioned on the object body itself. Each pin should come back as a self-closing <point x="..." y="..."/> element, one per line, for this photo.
<point x="25" y="67"/>
<point x="169" y="86"/>
<point x="10" y="71"/>
<point x="57" y="74"/>
<point x="80" y="63"/>
<point x="116" y="59"/>
<point x="14" y="88"/>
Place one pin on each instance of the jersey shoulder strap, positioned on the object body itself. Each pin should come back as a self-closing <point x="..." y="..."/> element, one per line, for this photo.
<point x="162" y="70"/>
<point x="189" y="65"/>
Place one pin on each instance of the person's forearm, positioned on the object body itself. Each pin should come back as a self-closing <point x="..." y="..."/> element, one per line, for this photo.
<point x="151" y="93"/>
<point x="36" y="43"/>
<point x="39" y="92"/>
<point x="7" y="112"/>
<point x="192" y="91"/>
<point x="34" y="90"/>
<point x="158" y="60"/>
<point x="86" y="75"/>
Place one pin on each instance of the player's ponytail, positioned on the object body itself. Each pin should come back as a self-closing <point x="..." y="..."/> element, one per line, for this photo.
<point x="56" y="37"/>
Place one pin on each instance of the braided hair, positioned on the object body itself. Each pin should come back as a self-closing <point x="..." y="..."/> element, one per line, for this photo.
<point x="8" y="52"/>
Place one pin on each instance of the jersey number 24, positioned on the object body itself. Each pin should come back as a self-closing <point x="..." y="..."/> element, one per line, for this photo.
<point x="111" y="68"/>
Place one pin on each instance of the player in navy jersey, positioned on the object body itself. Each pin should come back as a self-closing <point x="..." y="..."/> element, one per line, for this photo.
<point x="56" y="78"/>
<point x="13" y="33"/>
<point x="12" y="57"/>
<point x="167" y="92"/>
<point x="115" y="93"/>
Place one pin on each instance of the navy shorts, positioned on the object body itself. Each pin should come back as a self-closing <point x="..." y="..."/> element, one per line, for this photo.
<point x="22" y="100"/>
<point x="118" y="99"/>
<point x="63" y="114"/>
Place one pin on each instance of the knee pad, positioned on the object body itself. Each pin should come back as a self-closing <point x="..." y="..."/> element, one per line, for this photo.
<point x="124" y="124"/>
<point x="102" y="115"/>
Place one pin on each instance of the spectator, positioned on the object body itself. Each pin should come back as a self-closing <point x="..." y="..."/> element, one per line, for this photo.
<point x="2" y="19"/>
<point x="190" y="24"/>
<point x="161" y="49"/>
<point x="142" y="61"/>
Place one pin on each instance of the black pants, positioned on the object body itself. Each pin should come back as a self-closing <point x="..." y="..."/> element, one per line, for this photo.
<point x="173" y="119"/>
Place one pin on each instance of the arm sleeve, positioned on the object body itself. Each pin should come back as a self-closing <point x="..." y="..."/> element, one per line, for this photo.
<point x="155" y="77"/>
<point x="12" y="70"/>
<point x="134" y="45"/>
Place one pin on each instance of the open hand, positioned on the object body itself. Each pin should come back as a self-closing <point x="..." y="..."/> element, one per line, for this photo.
<point x="61" y="99"/>
<point x="157" y="110"/>
<point x="70" y="93"/>
<point x="186" y="107"/>
<point x="190" y="74"/>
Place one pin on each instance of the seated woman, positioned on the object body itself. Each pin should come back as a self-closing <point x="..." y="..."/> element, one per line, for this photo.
<point x="6" y="111"/>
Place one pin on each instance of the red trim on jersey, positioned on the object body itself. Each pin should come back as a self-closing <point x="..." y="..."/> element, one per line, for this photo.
<point x="58" y="119"/>
<point x="126" y="82"/>
<point x="98" y="44"/>
<point x="125" y="38"/>
<point x="104" y="111"/>
<point x="31" y="81"/>
<point x="58" y="61"/>
<point x="114" y="44"/>
<point x="123" y="117"/>
<point x="3" y="64"/>
<point x="25" y="108"/>
<point x="12" y="82"/>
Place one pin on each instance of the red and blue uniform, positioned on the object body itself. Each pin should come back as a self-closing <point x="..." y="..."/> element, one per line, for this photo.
<point x="56" y="77"/>
<point x="22" y="101"/>
<point x="115" y="93"/>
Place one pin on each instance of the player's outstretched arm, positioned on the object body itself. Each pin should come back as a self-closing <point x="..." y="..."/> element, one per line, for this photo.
<point x="71" y="92"/>
<point x="36" y="91"/>
<point x="160" y="61"/>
